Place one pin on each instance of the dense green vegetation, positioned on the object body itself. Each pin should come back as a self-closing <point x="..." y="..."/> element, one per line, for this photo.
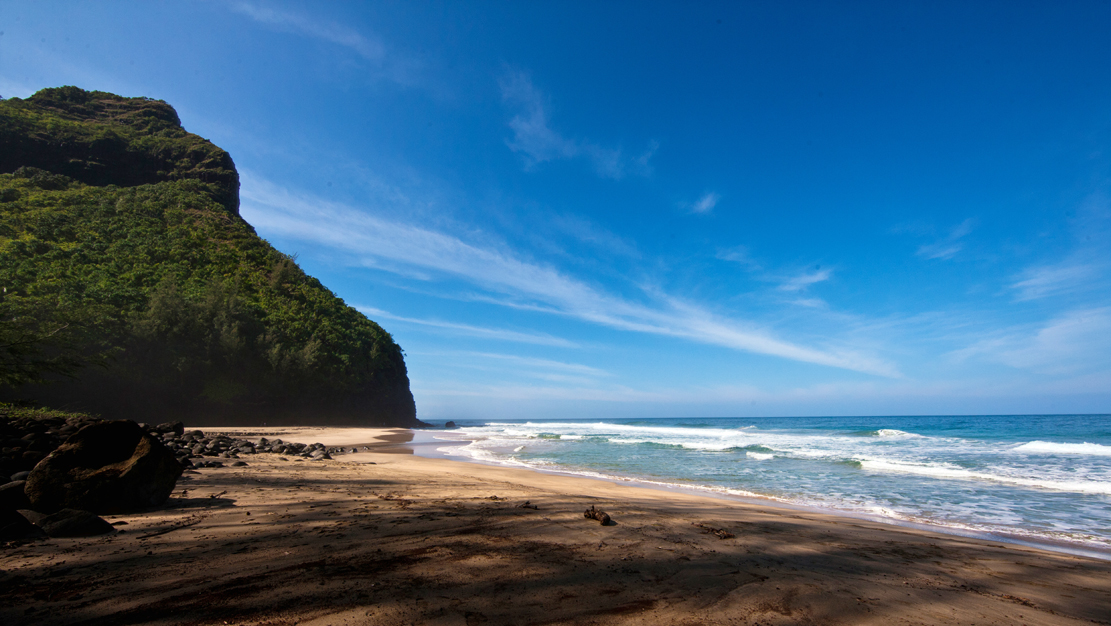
<point x="130" y="293"/>
<point x="101" y="139"/>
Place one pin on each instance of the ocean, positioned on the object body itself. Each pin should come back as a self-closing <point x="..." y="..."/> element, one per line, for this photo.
<point x="1043" y="480"/>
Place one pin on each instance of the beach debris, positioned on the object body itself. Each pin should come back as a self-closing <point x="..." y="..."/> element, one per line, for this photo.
<point x="1019" y="600"/>
<point x="395" y="497"/>
<point x="527" y="505"/>
<point x="185" y="523"/>
<point x="720" y="533"/>
<point x="601" y="516"/>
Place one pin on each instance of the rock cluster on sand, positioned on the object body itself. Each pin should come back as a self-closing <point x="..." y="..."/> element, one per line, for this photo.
<point x="83" y="466"/>
<point x="57" y="472"/>
<point x="195" y="449"/>
<point x="27" y="440"/>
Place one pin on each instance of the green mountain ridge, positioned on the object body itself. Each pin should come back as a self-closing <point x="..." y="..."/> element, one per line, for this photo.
<point x="132" y="288"/>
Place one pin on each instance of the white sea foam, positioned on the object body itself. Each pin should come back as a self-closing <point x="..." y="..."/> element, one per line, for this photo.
<point x="1006" y="478"/>
<point x="892" y="432"/>
<point x="1050" y="447"/>
<point x="949" y="471"/>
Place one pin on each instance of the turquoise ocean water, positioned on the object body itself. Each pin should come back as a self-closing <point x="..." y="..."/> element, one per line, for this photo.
<point x="1042" y="479"/>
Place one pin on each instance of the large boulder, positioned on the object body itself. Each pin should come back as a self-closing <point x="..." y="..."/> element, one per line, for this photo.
<point x="106" y="467"/>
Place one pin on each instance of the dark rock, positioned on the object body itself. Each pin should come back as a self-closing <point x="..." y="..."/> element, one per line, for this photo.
<point x="74" y="523"/>
<point x="106" y="467"/>
<point x="32" y="516"/>
<point x="449" y="424"/>
<point x="14" y="526"/>
<point x="31" y="458"/>
<point x="176" y="428"/>
<point x="239" y="464"/>
<point x="13" y="496"/>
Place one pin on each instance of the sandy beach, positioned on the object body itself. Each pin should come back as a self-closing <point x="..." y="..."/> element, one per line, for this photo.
<point x="385" y="538"/>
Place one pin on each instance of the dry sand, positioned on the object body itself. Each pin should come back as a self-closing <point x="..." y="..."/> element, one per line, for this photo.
<point x="411" y="540"/>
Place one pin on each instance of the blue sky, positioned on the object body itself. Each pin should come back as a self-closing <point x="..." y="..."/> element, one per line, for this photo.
<point x="660" y="209"/>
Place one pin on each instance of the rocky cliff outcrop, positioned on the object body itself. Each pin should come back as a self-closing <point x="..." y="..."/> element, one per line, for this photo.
<point x="132" y="286"/>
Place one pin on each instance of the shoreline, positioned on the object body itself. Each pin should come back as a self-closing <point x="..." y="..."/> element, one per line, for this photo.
<point x="1074" y="549"/>
<point x="377" y="537"/>
<point x="422" y="442"/>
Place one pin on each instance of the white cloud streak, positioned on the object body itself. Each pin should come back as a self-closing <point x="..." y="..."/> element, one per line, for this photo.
<point x="586" y="232"/>
<point x="706" y="203"/>
<point x="1052" y="280"/>
<point x="369" y="47"/>
<point x="378" y="241"/>
<point x="948" y="247"/>
<point x="532" y="362"/>
<point x="1066" y="345"/>
<point x="541" y="339"/>
<point x="805" y="279"/>
<point x="1087" y="268"/>
<point x="741" y="255"/>
<point x="534" y="137"/>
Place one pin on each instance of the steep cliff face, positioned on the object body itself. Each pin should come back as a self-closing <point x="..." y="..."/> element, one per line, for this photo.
<point x="99" y="139"/>
<point x="132" y="288"/>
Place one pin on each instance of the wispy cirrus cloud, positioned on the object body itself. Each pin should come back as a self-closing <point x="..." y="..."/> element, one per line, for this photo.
<point x="528" y="366"/>
<point x="1068" y="344"/>
<point x="803" y="280"/>
<point x="1060" y="278"/>
<point x="534" y="137"/>
<point x="369" y="47"/>
<point x="740" y="255"/>
<point x="398" y="246"/>
<point x="705" y="204"/>
<point x="1087" y="266"/>
<point x="588" y="232"/>
<point x="791" y="282"/>
<point x="947" y="247"/>
<point x="503" y="334"/>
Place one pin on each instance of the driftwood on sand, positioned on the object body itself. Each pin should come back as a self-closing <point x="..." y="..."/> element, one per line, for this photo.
<point x="601" y="516"/>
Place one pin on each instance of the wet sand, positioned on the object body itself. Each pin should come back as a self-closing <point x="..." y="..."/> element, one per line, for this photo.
<point x="412" y="540"/>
